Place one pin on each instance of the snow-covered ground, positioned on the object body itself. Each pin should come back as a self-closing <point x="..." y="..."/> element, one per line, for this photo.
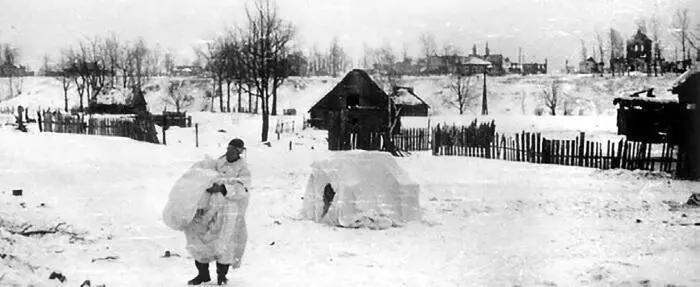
<point x="485" y="223"/>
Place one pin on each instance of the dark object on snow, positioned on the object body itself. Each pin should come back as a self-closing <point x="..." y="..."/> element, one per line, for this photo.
<point x="108" y="258"/>
<point x="58" y="276"/>
<point x="268" y="144"/>
<point x="169" y="254"/>
<point x="86" y="283"/>
<point x="694" y="200"/>
<point x="639" y="220"/>
<point x="17" y="192"/>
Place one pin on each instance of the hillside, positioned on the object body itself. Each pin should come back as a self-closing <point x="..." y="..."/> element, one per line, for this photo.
<point x="509" y="95"/>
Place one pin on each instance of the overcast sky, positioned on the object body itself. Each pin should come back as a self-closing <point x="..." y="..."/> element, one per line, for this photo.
<point x="543" y="28"/>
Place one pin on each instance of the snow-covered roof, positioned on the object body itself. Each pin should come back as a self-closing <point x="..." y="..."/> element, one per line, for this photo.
<point x="646" y="100"/>
<point x="476" y="61"/>
<point x="406" y="96"/>
<point x="683" y="78"/>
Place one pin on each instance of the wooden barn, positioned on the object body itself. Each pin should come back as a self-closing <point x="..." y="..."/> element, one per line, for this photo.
<point x="687" y="87"/>
<point x="407" y="103"/>
<point x="647" y="119"/>
<point x="356" y="113"/>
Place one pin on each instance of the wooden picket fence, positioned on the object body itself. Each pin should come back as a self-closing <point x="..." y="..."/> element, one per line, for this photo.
<point x="7" y="110"/>
<point x="285" y="126"/>
<point x="61" y="123"/>
<point x="122" y="126"/>
<point x="412" y="139"/>
<point x="534" y="148"/>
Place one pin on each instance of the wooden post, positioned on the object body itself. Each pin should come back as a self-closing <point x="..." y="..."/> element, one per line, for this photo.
<point x="484" y="101"/>
<point x="165" y="127"/>
<point x="20" y="119"/>
<point x="39" y="121"/>
<point x="582" y="143"/>
<point x="196" y="135"/>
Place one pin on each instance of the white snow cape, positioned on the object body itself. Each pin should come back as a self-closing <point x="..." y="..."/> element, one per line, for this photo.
<point x="189" y="193"/>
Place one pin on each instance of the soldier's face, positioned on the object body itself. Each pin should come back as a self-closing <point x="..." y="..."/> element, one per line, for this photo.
<point x="233" y="153"/>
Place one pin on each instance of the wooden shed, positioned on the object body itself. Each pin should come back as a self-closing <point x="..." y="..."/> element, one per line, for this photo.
<point x="356" y="113"/>
<point x="647" y="119"/>
<point x="408" y="104"/>
<point x="687" y="87"/>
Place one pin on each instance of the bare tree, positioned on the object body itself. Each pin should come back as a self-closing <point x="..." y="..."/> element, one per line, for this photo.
<point x="428" y="45"/>
<point x="265" y="43"/>
<point x="45" y="64"/>
<point x="617" y="50"/>
<point x="10" y="55"/>
<point x="215" y="57"/>
<point x="601" y="51"/>
<point x="654" y="27"/>
<point x="112" y="52"/>
<point x="169" y="63"/>
<point x="179" y="95"/>
<point x="463" y="90"/>
<point x="231" y="53"/>
<point x="337" y="58"/>
<point x="366" y="56"/>
<point x="65" y="77"/>
<point x="137" y="61"/>
<point x="551" y="96"/>
<point x="681" y="24"/>
<point x="387" y="75"/>
<point x="584" y="51"/>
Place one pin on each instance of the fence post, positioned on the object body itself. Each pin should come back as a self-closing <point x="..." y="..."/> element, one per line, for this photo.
<point x="436" y="139"/>
<point x="582" y="143"/>
<point x="165" y="127"/>
<point x="196" y="135"/>
<point x="39" y="121"/>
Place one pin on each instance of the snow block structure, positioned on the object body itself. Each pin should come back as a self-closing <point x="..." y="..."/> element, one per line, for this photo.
<point x="361" y="189"/>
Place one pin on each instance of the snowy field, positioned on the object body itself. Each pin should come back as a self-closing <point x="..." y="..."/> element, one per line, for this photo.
<point x="485" y="222"/>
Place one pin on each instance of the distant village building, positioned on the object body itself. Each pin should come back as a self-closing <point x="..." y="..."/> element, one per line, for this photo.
<point x="187" y="71"/>
<point x="497" y="61"/>
<point x="534" y="68"/>
<point x="9" y="70"/>
<point x="408" y="103"/>
<point x="590" y="66"/>
<point x="356" y="112"/>
<point x="639" y="52"/>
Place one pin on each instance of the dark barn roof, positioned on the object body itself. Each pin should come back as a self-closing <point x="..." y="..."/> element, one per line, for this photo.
<point x="356" y="82"/>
